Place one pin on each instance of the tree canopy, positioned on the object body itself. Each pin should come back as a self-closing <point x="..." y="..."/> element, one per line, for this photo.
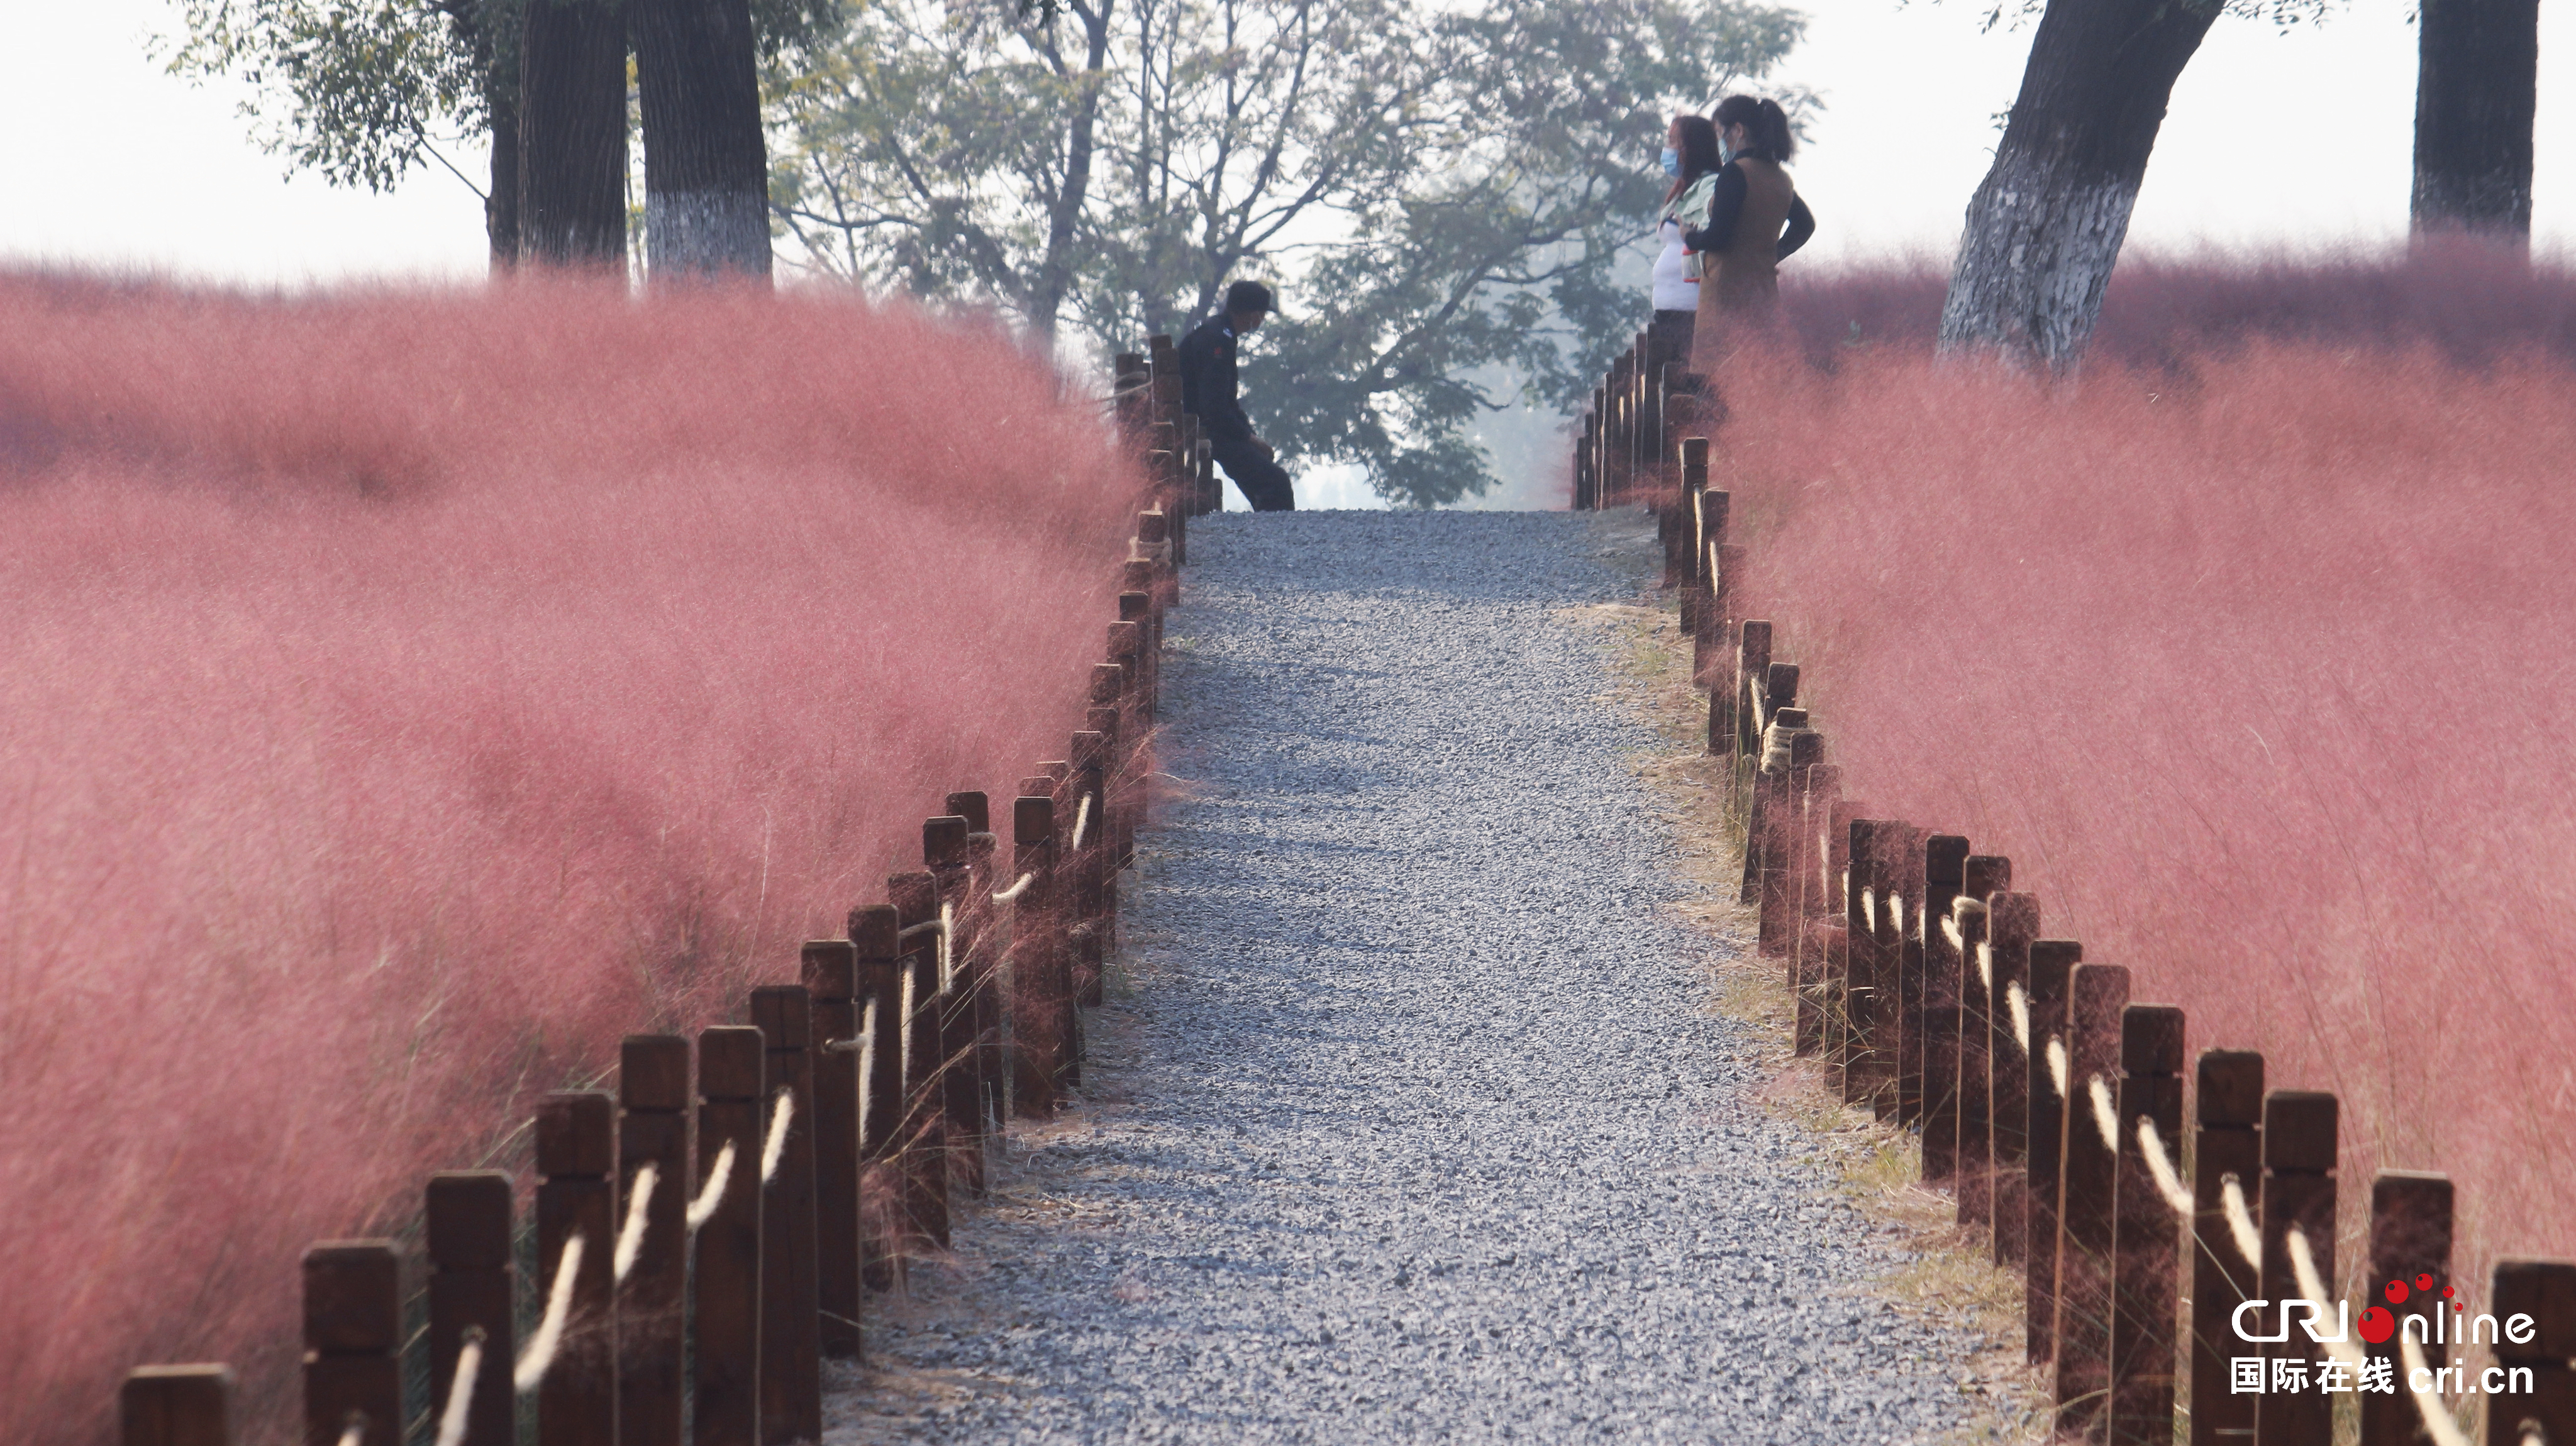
<point x="1433" y="190"/>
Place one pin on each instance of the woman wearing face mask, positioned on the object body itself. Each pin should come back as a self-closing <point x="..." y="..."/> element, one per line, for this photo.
<point x="1753" y="222"/>
<point x="1691" y="159"/>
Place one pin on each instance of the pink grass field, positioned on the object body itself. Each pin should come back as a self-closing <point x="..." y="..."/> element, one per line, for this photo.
<point x="406" y="695"/>
<point x="2256" y="655"/>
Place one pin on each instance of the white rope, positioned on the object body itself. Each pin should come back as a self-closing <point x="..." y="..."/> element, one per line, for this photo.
<point x="947" y="955"/>
<point x="2106" y="1119"/>
<point x="1015" y="890"/>
<point x="1896" y="913"/>
<point x="703" y="1209"/>
<point x="1986" y="967"/>
<point x="2303" y="1265"/>
<point x="1081" y="822"/>
<point x="1950" y="931"/>
<point x="924" y="927"/>
<point x="460" y="1391"/>
<point x="2057" y="1066"/>
<point x="867" y="1061"/>
<point x="2428" y="1404"/>
<point x="2020" y="1003"/>
<point x="2240" y="1221"/>
<point x="355" y="1433"/>
<point x="1869" y="907"/>
<point x="630" y="1239"/>
<point x="2151" y="1144"/>
<point x="540" y="1353"/>
<point x="775" y="1150"/>
<point x="904" y="1014"/>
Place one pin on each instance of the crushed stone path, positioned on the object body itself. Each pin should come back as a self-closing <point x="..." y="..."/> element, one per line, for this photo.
<point x="1411" y="1123"/>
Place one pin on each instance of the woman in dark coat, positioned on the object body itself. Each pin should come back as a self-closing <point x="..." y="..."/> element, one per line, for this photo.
<point x="1755" y="220"/>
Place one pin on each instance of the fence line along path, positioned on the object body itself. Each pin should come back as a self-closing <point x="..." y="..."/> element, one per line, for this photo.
<point x="1418" y="1128"/>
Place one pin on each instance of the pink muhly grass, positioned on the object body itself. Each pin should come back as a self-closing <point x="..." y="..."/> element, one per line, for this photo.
<point x="2258" y="667"/>
<point x="408" y="695"/>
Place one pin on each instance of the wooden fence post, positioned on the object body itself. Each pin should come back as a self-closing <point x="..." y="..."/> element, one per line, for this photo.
<point x="2146" y="1251"/>
<point x="1907" y="893"/>
<point x="961" y="1078"/>
<point x="791" y="1355"/>
<point x="653" y="1129"/>
<point x="1818" y="902"/>
<point x="2051" y="961"/>
<point x="1036" y="1004"/>
<point x="2096" y="995"/>
<point x="1945" y="862"/>
<point x="1796" y="749"/>
<point x="1900" y="853"/>
<point x="830" y="969"/>
<point x="1980" y="877"/>
<point x="2410" y="1242"/>
<point x="576" y="1155"/>
<point x="467" y="1231"/>
<point x="1846" y="1020"/>
<point x="922" y="1144"/>
<point x="1088" y="916"/>
<point x="2012" y="922"/>
<point x="2227" y="1099"/>
<point x="2299" y="1146"/>
<point x="2544" y="1290"/>
<point x="189" y="1405"/>
<point x="876" y="997"/>
<point x="1726" y="693"/>
<point x="733" y="1080"/>
<point x="353" y="1342"/>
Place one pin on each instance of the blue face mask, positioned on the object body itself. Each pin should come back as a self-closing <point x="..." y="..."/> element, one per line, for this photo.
<point x="1672" y="162"/>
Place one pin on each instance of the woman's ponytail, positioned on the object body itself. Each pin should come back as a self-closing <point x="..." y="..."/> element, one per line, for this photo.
<point x="1774" y="131"/>
<point x="1766" y="126"/>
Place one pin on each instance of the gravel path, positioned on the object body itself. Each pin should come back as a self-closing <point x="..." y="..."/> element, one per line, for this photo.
<point x="1413" y="1126"/>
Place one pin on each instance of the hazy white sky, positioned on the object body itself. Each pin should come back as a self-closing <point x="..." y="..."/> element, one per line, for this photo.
<point x="2274" y="138"/>
<point x="2299" y="139"/>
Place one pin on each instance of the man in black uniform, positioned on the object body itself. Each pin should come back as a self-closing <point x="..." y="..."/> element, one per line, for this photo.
<point x="1208" y="393"/>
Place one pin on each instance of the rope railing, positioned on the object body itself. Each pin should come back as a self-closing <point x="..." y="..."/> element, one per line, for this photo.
<point x="711" y="1195"/>
<point x="455" y="1416"/>
<point x="630" y="1236"/>
<point x="538" y="1357"/>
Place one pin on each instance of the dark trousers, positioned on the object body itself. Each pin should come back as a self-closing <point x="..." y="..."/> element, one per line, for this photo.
<point x="1668" y="336"/>
<point x="1264" y="483"/>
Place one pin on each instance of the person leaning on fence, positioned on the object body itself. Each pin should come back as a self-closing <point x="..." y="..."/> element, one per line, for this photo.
<point x="1691" y="159"/>
<point x="1753" y="222"/>
<point x="1208" y="393"/>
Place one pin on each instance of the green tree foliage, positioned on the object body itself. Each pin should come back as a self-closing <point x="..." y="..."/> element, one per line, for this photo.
<point x="1435" y="189"/>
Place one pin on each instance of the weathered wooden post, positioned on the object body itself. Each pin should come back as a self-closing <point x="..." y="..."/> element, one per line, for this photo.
<point x="1795" y="750"/>
<point x="1802" y="861"/>
<point x="733" y="1076"/>
<point x="1847" y="1023"/>
<point x="1086" y="854"/>
<point x="1037" y="1004"/>
<point x="1726" y="693"/>
<point x="961" y="1081"/>
<point x="1909" y="890"/>
<point x="1981" y="877"/>
<point x="466" y="1231"/>
<point x="1945" y="861"/>
<point x="791" y="1351"/>
<point x="830" y="969"/>
<point x="922" y="1148"/>
<point x="189" y="1405"/>
<point x="353" y="1342"/>
<point x="576" y="1156"/>
<point x="2544" y="1290"/>
<point x="1820" y="1007"/>
<point x="1900" y="855"/>
<point x="2146" y="1253"/>
<point x="2410" y="1242"/>
<point x="876" y="995"/>
<point x="2051" y="961"/>
<point x="2299" y="1147"/>
<point x="653" y="1096"/>
<point x="2228" y="1101"/>
<point x="2012" y="922"/>
<point x="2096" y="995"/>
<point x="1818" y="903"/>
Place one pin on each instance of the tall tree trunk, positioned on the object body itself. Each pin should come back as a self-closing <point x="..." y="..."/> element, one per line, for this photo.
<point x="491" y="29"/>
<point x="2045" y="227"/>
<point x="1055" y="269"/>
<point x="2477" y="82"/>
<point x="572" y="134"/>
<point x="706" y="163"/>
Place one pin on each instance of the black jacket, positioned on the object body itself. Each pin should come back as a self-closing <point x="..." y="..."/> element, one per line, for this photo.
<point x="1208" y="382"/>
